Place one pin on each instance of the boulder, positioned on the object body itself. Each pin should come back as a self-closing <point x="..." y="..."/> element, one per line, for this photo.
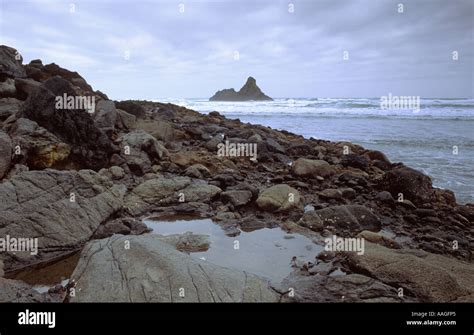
<point x="353" y="218"/>
<point x="141" y="151"/>
<point x="330" y="193"/>
<point x="60" y="208"/>
<point x="250" y="91"/>
<point x="105" y="116"/>
<point x="279" y="198"/>
<point x="11" y="63"/>
<point x="125" y="121"/>
<point x="303" y="167"/>
<point x="199" y="192"/>
<point x="154" y="271"/>
<point x="414" y="185"/>
<point x="197" y="171"/>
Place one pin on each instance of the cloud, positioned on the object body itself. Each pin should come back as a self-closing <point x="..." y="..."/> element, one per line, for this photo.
<point x="192" y="53"/>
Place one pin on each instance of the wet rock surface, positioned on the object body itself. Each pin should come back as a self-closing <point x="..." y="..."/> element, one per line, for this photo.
<point x="108" y="272"/>
<point x="153" y="157"/>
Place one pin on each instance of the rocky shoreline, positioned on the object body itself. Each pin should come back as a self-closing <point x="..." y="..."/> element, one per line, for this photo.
<point x="81" y="181"/>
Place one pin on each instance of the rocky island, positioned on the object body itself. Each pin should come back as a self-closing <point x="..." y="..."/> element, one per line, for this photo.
<point x="84" y="183"/>
<point x="249" y="92"/>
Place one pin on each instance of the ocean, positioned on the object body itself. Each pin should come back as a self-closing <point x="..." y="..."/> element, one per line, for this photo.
<point x="437" y="139"/>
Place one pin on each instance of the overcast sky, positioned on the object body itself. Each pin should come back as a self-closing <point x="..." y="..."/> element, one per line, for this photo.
<point x="191" y="54"/>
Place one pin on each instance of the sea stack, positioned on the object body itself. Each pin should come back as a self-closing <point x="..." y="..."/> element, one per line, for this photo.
<point x="250" y="91"/>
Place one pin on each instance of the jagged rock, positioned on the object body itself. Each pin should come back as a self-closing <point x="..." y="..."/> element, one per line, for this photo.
<point x="108" y="272"/>
<point x="26" y="87"/>
<point x="105" y="116"/>
<point x="5" y="153"/>
<point x="279" y="198"/>
<point x="250" y="91"/>
<point x="414" y="185"/>
<point x="353" y="218"/>
<point x="9" y="107"/>
<point x="38" y="204"/>
<point x="131" y="107"/>
<point x="141" y="151"/>
<point x="90" y="147"/>
<point x="39" y="72"/>
<point x="38" y="148"/>
<point x="7" y="88"/>
<point x="428" y="277"/>
<point x="125" y="120"/>
<point x="10" y="63"/>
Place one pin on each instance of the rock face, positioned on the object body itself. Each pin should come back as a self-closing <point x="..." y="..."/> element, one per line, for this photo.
<point x="154" y="271"/>
<point x="250" y="91"/>
<point x="37" y="204"/>
<point x="38" y="148"/>
<point x="426" y="276"/>
<point x="91" y="148"/>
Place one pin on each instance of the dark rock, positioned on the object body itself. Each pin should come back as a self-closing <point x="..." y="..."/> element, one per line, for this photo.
<point x="237" y="197"/>
<point x="131" y="107"/>
<point x="356" y="161"/>
<point x="250" y="91"/>
<point x="105" y="116"/>
<point x="38" y="204"/>
<point x="384" y="197"/>
<point x="91" y="148"/>
<point x="5" y="153"/>
<point x="11" y="63"/>
<point x="354" y="218"/>
<point x="414" y="185"/>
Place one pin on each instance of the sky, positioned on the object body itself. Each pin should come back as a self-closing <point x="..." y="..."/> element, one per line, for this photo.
<point x="298" y="48"/>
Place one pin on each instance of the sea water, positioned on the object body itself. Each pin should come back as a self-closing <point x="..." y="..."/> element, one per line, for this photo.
<point x="437" y="139"/>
